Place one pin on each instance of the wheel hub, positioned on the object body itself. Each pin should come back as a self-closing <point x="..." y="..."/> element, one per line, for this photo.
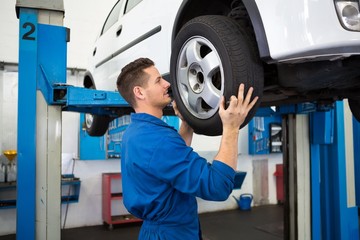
<point x="88" y="120"/>
<point x="196" y="79"/>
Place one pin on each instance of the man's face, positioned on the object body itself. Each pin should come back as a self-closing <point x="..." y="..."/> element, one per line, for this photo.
<point x="156" y="89"/>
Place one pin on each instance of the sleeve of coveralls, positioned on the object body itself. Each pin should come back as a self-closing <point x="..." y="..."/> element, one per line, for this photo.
<point x="178" y="165"/>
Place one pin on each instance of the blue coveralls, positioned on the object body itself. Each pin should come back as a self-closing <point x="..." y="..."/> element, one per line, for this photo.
<point x="162" y="177"/>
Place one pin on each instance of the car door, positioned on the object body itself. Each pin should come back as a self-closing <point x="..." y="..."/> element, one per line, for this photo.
<point x="146" y="29"/>
<point x="105" y="46"/>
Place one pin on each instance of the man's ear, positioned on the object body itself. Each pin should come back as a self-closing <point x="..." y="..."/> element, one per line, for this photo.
<point x="138" y="92"/>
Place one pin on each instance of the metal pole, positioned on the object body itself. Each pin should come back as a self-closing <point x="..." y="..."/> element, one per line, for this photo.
<point x="334" y="215"/>
<point x="42" y="57"/>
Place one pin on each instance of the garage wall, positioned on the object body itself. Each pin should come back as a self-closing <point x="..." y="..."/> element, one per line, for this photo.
<point x="84" y="18"/>
<point x="8" y="135"/>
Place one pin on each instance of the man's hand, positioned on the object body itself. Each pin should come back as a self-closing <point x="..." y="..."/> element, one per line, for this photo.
<point x="238" y="109"/>
<point x="176" y="110"/>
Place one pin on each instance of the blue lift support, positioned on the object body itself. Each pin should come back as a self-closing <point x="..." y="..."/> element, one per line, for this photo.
<point x="356" y="133"/>
<point x="42" y="43"/>
<point x="315" y="155"/>
<point x="334" y="210"/>
<point x="321" y="172"/>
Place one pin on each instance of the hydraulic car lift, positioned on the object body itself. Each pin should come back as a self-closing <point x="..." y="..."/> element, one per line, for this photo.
<point x="319" y="176"/>
<point x="321" y="172"/>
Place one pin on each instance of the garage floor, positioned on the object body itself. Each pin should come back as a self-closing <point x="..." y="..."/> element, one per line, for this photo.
<point x="265" y="222"/>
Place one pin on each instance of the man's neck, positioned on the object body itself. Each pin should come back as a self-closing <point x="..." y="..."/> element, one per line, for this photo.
<point x="152" y="111"/>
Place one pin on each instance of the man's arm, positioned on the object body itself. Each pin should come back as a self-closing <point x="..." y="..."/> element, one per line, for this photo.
<point x="232" y="118"/>
<point x="186" y="132"/>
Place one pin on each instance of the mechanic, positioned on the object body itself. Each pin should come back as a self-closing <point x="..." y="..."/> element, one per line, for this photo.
<point x="161" y="174"/>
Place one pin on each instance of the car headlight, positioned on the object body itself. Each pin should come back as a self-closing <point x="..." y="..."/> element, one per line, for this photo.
<point x="348" y="13"/>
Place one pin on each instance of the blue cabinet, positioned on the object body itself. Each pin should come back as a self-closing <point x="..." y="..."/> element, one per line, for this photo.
<point x="265" y="135"/>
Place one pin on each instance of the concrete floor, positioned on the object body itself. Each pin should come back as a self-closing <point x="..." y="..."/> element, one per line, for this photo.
<point x="265" y="222"/>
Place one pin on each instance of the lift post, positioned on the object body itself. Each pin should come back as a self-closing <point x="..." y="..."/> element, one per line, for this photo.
<point x="42" y="44"/>
<point x="334" y="213"/>
<point x="296" y="161"/>
<point x="356" y="133"/>
<point x="321" y="160"/>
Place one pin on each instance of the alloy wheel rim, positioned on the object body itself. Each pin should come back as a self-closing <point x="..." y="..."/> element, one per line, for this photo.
<point x="200" y="77"/>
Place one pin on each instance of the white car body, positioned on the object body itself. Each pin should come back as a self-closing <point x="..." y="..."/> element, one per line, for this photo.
<point x="305" y="29"/>
<point x="295" y="41"/>
<point x="135" y="24"/>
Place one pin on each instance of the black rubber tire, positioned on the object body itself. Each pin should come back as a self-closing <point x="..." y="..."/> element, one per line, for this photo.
<point x="100" y="123"/>
<point x="99" y="126"/>
<point x="354" y="105"/>
<point x="239" y="60"/>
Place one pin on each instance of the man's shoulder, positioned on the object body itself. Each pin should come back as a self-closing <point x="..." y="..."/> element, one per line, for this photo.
<point x="149" y="130"/>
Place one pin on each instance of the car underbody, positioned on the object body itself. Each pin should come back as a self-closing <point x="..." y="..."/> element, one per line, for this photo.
<point x="322" y="81"/>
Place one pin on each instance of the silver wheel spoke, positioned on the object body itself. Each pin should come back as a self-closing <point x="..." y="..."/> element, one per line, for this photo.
<point x="210" y="64"/>
<point x="192" y="52"/>
<point x="183" y="77"/>
<point x="211" y="94"/>
<point x="194" y="101"/>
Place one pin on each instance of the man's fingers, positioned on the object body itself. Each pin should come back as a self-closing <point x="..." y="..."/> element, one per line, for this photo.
<point x="222" y="103"/>
<point x="241" y="100"/>
<point x="251" y="105"/>
<point x="248" y="95"/>
<point x="174" y="107"/>
<point x="241" y="91"/>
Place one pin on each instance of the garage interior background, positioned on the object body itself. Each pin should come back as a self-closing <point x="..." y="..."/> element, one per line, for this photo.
<point x="85" y="18"/>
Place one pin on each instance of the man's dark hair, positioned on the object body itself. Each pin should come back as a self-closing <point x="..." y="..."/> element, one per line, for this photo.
<point x="132" y="75"/>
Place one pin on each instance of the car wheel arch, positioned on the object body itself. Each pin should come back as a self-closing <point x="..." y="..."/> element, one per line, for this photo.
<point x="88" y="80"/>
<point x="187" y="11"/>
<point x="252" y="10"/>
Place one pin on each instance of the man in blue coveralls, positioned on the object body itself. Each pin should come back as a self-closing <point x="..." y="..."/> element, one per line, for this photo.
<point x="161" y="174"/>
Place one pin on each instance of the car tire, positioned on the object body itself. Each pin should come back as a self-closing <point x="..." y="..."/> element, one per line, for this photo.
<point x="96" y="125"/>
<point x="211" y="56"/>
<point x="354" y="105"/>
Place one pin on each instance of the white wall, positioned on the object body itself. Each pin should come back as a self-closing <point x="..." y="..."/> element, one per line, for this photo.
<point x="9" y="32"/>
<point x="8" y="136"/>
<point x="84" y="18"/>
